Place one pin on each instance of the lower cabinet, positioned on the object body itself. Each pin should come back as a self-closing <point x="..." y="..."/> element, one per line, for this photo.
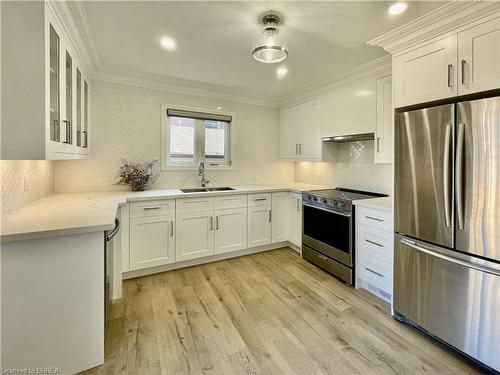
<point x="152" y="241"/>
<point x="194" y="235"/>
<point x="295" y="213"/>
<point x="230" y="230"/>
<point x="279" y="216"/>
<point x="259" y="226"/>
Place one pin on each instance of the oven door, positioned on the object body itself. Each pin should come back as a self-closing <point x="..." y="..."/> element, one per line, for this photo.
<point x="328" y="232"/>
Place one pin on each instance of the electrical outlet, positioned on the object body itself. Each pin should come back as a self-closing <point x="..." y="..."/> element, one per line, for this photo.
<point x="27" y="180"/>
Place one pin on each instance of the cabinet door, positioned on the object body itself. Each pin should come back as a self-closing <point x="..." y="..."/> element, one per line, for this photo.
<point x="290" y="127"/>
<point x="295" y="212"/>
<point x="85" y="114"/>
<point x="280" y="218"/>
<point x="479" y="58"/>
<point x="230" y="230"/>
<point x="426" y="73"/>
<point x="79" y="107"/>
<point x="194" y="235"/>
<point x="350" y="111"/>
<point x="384" y="132"/>
<point x="259" y="226"/>
<point x="310" y="143"/>
<point x="152" y="241"/>
<point x="54" y="83"/>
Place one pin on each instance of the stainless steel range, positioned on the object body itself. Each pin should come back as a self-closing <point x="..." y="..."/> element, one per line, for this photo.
<point x="328" y="229"/>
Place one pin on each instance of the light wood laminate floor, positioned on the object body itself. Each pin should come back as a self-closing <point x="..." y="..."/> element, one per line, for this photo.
<point x="267" y="313"/>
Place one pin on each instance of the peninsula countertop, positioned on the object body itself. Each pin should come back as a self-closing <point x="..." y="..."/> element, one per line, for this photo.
<point x="72" y="213"/>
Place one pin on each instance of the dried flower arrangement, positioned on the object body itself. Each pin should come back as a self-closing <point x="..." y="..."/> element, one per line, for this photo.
<point x="137" y="174"/>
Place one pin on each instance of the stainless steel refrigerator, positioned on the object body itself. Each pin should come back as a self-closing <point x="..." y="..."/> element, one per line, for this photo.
<point x="447" y="223"/>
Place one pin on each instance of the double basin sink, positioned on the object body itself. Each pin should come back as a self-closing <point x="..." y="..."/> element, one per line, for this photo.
<point x="206" y="190"/>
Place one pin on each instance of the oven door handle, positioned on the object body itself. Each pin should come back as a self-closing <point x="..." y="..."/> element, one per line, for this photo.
<point x="327" y="210"/>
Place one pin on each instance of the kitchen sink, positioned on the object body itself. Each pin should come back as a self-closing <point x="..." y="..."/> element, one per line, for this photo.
<point x="206" y="190"/>
<point x="219" y="189"/>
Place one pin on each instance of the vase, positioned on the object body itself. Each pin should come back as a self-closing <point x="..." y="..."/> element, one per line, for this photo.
<point x="138" y="187"/>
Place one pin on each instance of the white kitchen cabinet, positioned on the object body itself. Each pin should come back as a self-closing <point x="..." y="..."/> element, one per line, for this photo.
<point x="479" y="58"/>
<point x="350" y="111"/>
<point x="374" y="251"/>
<point x="300" y="132"/>
<point x="384" y="129"/>
<point x="280" y="218"/>
<point x="152" y="241"/>
<point x="194" y="235"/>
<point x="259" y="226"/>
<point x="426" y="73"/>
<point x="40" y="66"/>
<point x="230" y="230"/>
<point x="295" y="212"/>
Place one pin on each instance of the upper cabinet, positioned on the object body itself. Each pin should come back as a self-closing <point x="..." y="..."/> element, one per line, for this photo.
<point x="350" y="111"/>
<point x="459" y="64"/>
<point x="384" y="128"/>
<point x="45" y="87"/>
<point x="300" y="132"/>
<point x="479" y="58"/>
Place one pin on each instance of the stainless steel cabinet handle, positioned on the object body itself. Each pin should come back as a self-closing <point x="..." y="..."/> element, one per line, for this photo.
<point x="84" y="144"/>
<point x="259" y="199"/>
<point x="68" y="132"/>
<point x="464" y="66"/>
<point x="269" y="215"/>
<point x="217" y="223"/>
<point x="296" y="148"/>
<point x="211" y="223"/>
<point x="374" y="218"/>
<point x="110" y="235"/>
<point x="172" y="228"/>
<point x="375" y="273"/>
<point x="450" y="66"/>
<point x="459" y="174"/>
<point x="151" y="208"/>
<point x="446" y="176"/>
<point x="374" y="243"/>
<point x="298" y="208"/>
<point x="460" y="262"/>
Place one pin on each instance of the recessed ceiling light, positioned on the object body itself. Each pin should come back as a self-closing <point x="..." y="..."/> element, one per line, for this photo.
<point x="397" y="8"/>
<point x="281" y="71"/>
<point x="168" y="43"/>
<point x="219" y="108"/>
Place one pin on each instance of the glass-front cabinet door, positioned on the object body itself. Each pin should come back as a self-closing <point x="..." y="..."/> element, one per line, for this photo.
<point x="78" y="108"/>
<point x="54" y="85"/>
<point x="85" y="131"/>
<point x="67" y="129"/>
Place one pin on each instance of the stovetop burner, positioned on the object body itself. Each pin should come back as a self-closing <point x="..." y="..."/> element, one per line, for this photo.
<point x="346" y="194"/>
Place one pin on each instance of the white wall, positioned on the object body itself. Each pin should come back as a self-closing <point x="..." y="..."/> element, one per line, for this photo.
<point x="353" y="168"/>
<point x="39" y="176"/>
<point x="126" y="124"/>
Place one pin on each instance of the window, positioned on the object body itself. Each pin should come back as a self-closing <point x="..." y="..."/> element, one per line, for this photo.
<point x="192" y="136"/>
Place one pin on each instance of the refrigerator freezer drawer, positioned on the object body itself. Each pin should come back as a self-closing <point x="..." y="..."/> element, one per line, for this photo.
<point x="458" y="302"/>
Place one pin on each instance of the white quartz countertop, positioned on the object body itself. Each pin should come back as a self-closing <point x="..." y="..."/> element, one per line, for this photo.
<point x="72" y="213"/>
<point x="383" y="203"/>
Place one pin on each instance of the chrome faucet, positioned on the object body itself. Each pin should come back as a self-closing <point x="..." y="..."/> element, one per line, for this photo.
<point x="201" y="173"/>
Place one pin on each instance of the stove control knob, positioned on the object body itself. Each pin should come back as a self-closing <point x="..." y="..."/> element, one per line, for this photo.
<point x="341" y="204"/>
<point x="324" y="200"/>
<point x="309" y="197"/>
<point x="315" y="198"/>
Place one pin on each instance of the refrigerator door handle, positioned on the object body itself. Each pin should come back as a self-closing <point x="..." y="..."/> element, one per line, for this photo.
<point x="413" y="245"/>
<point x="446" y="176"/>
<point x="459" y="195"/>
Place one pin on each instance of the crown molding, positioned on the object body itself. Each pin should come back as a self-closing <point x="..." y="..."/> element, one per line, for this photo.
<point x="450" y="18"/>
<point x="182" y="86"/>
<point x="369" y="71"/>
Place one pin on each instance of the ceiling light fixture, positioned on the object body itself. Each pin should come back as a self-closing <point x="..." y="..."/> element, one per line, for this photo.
<point x="168" y="43"/>
<point x="270" y="46"/>
<point x="397" y="8"/>
<point x="281" y="71"/>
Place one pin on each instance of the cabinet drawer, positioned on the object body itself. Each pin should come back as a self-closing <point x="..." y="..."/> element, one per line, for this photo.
<point x="231" y="201"/>
<point x="152" y="208"/>
<point x="374" y="218"/>
<point x="194" y="204"/>
<point x="259" y="200"/>
<point x="374" y="242"/>
<point x="376" y="272"/>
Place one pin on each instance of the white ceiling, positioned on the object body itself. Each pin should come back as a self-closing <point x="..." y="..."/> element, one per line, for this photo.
<point x="214" y="40"/>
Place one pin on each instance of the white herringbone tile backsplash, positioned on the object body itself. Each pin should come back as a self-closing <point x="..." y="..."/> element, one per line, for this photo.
<point x="39" y="175"/>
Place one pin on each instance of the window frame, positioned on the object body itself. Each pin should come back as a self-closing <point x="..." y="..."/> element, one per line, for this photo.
<point x="165" y="162"/>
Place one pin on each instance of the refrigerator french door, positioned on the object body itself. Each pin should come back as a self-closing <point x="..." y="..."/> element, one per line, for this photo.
<point x="447" y="223"/>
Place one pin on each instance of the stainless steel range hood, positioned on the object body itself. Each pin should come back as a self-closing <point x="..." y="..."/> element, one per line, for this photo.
<point x="350" y="138"/>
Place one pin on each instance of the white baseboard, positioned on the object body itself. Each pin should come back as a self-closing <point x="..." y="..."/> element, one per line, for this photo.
<point x="213" y="258"/>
